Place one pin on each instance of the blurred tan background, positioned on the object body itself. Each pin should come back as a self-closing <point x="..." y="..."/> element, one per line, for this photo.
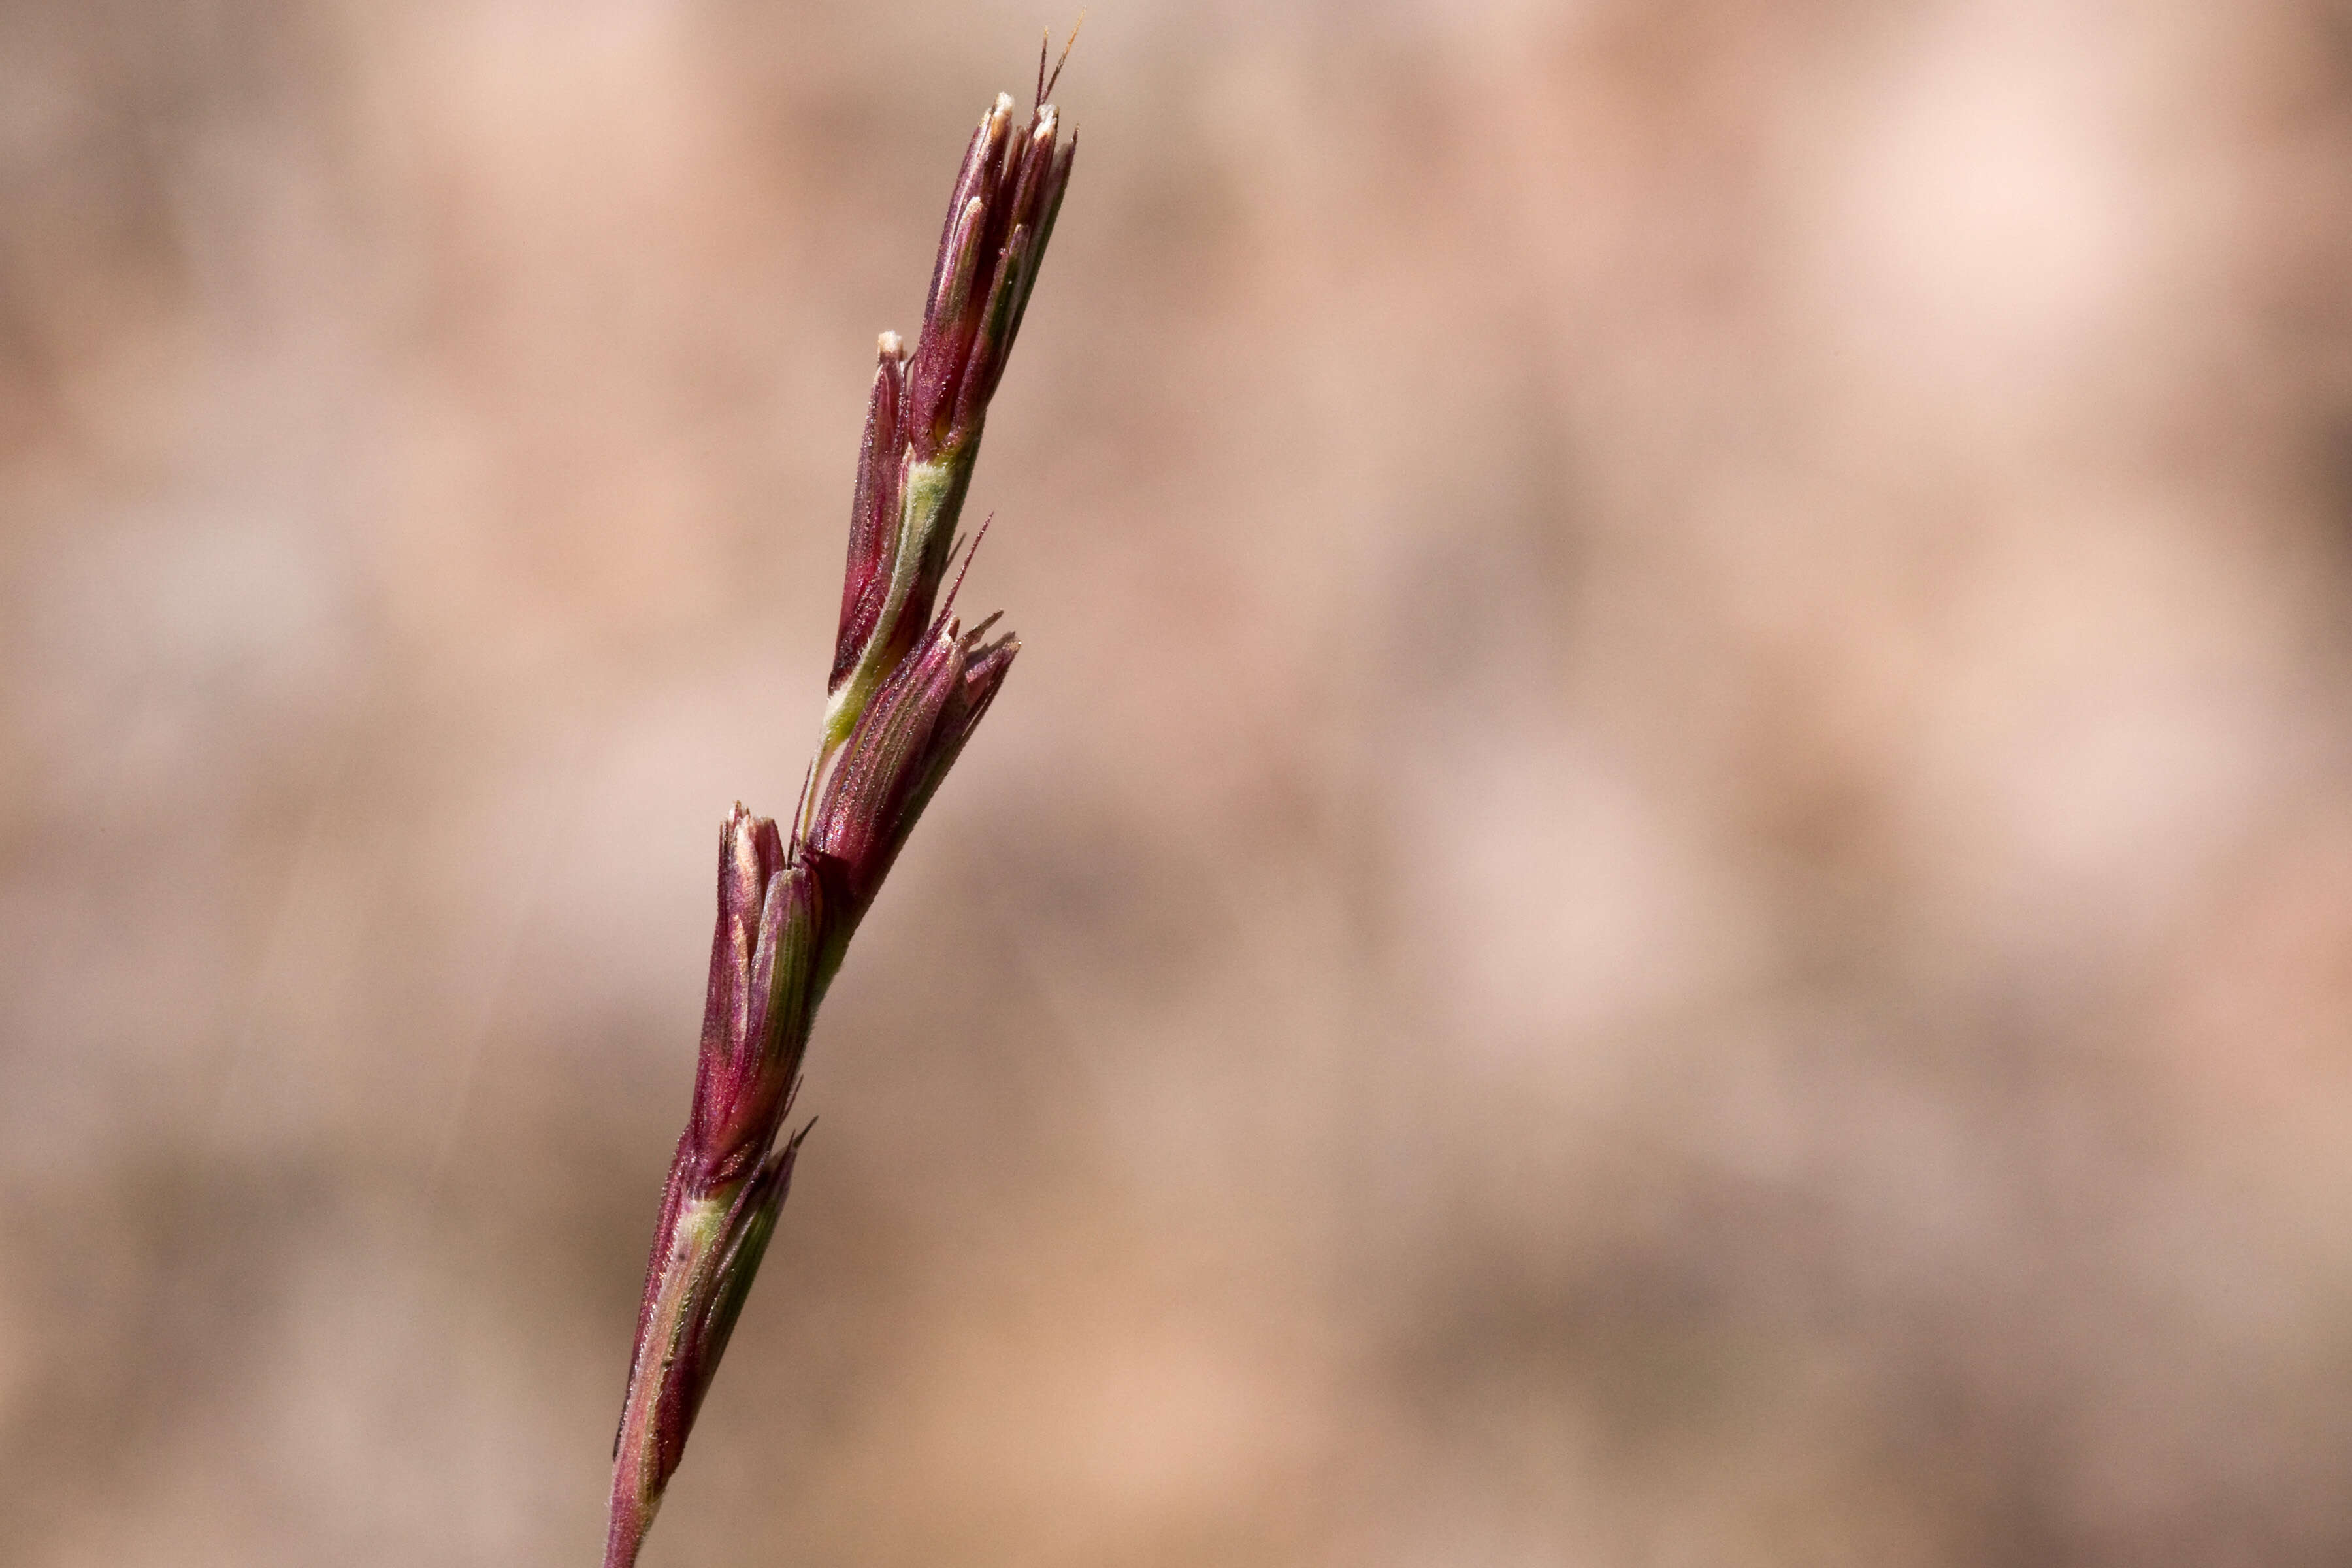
<point x="1669" y="881"/>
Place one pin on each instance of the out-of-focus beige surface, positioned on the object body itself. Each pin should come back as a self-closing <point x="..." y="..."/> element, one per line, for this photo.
<point x="1669" y="880"/>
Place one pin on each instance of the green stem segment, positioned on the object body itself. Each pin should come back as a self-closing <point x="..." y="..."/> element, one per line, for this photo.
<point x="931" y="504"/>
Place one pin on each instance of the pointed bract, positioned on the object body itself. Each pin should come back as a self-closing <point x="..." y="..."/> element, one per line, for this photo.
<point x="873" y="510"/>
<point x="735" y="1022"/>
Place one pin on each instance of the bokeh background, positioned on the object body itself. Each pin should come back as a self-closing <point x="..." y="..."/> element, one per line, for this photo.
<point x="1669" y="881"/>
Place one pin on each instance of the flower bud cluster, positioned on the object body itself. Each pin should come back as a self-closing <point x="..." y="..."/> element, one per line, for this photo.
<point x="924" y="417"/>
<point x="902" y="746"/>
<point x="999" y="219"/>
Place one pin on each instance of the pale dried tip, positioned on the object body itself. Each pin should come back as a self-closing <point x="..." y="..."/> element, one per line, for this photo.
<point x="1003" y="106"/>
<point x="1048" y="117"/>
<point x="889" y="345"/>
<point x="1046" y="90"/>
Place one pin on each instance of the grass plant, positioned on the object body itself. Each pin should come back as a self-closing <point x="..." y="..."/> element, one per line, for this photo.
<point x="908" y="686"/>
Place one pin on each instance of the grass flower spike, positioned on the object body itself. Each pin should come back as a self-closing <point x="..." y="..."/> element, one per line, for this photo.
<point x="908" y="686"/>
